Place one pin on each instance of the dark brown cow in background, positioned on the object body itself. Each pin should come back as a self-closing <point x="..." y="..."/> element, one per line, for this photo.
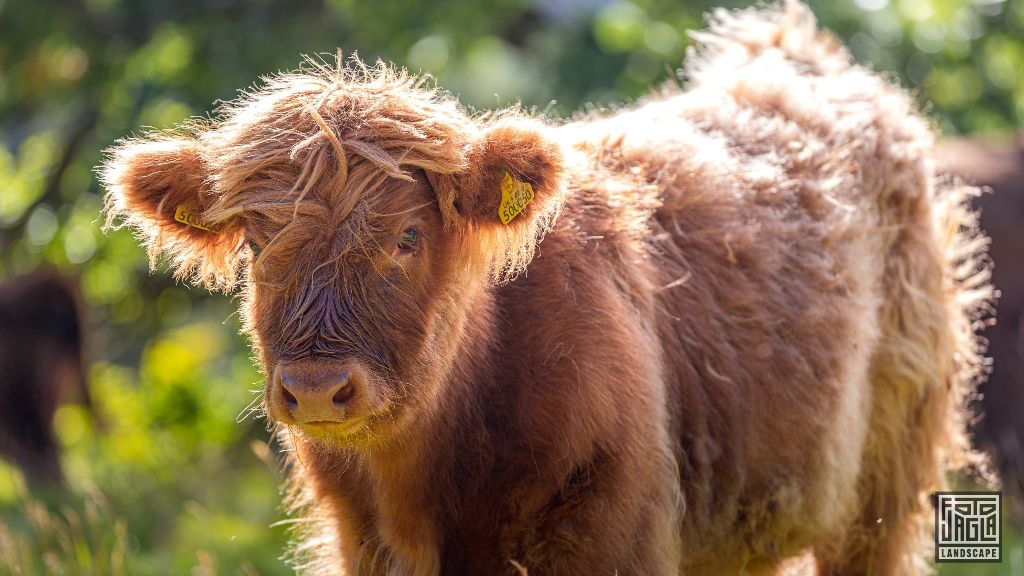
<point x="1002" y="217"/>
<point x="40" y="365"/>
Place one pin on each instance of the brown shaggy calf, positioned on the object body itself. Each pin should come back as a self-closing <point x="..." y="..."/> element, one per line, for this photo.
<point x="745" y="335"/>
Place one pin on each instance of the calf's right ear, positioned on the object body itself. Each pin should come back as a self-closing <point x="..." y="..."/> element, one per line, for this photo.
<point x="162" y="189"/>
<point x="514" y="177"/>
<point x="507" y="196"/>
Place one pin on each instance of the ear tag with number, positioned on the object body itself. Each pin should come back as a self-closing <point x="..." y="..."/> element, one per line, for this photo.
<point x="515" y="195"/>
<point x="185" y="215"/>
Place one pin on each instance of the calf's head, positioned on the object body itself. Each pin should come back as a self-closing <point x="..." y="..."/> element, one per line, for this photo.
<point x="362" y="216"/>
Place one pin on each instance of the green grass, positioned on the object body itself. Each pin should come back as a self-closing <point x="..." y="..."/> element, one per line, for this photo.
<point x="221" y="523"/>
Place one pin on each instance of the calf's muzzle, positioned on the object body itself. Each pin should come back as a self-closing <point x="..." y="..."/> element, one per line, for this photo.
<point x="308" y="392"/>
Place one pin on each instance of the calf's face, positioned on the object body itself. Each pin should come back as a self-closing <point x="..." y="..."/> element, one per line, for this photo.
<point x="351" y="317"/>
<point x="362" y="228"/>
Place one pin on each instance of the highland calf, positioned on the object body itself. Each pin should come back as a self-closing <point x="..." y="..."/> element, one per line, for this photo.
<point x="721" y="328"/>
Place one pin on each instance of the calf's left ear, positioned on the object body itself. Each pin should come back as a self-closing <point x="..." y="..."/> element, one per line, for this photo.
<point x="514" y="178"/>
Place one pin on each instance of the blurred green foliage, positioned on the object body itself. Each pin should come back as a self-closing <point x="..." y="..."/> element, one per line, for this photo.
<point x="163" y="479"/>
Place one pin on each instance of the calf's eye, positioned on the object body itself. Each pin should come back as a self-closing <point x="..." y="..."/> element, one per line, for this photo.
<point x="408" y="242"/>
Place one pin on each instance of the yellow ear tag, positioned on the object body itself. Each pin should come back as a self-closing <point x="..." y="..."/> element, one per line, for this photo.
<point x="515" y="195"/>
<point x="185" y="215"/>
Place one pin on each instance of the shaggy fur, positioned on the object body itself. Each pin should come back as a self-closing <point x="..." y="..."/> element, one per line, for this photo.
<point x="747" y="334"/>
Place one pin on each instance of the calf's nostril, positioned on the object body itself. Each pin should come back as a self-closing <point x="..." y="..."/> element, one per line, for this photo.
<point x="289" y="399"/>
<point x="343" y="395"/>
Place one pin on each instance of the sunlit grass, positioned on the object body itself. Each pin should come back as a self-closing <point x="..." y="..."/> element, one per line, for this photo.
<point x="161" y="479"/>
<point x="76" y="537"/>
<point x="219" y="524"/>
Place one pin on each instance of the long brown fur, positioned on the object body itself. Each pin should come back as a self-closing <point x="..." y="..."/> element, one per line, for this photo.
<point x="748" y="334"/>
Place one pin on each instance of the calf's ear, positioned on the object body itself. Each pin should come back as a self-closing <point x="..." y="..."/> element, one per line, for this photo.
<point x="508" y="195"/>
<point x="162" y="189"/>
<point x="514" y="177"/>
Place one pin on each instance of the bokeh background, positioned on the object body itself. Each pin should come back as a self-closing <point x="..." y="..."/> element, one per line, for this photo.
<point x="166" y="473"/>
